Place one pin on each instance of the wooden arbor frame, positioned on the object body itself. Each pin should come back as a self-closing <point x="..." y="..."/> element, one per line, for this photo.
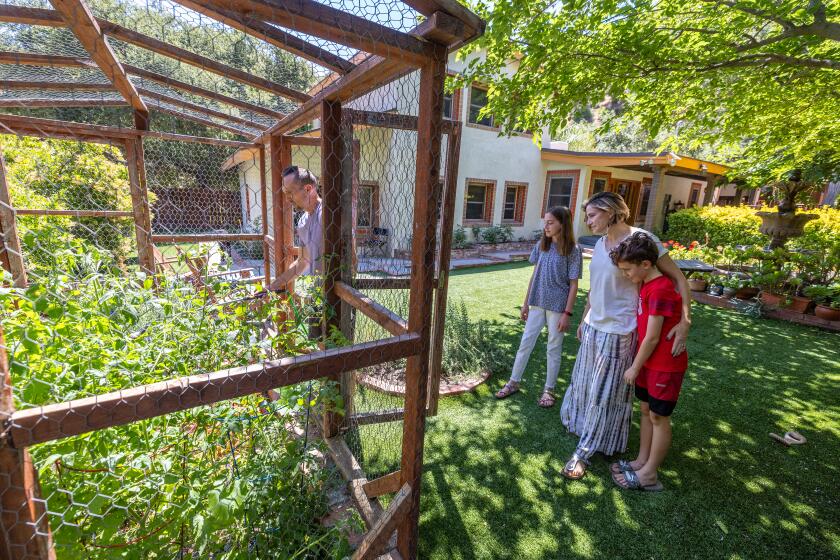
<point x="25" y="530"/>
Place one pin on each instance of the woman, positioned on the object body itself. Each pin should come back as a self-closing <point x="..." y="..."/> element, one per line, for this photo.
<point x="549" y="300"/>
<point x="598" y="404"/>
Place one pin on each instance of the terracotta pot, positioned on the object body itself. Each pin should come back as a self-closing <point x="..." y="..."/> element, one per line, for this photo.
<point x="697" y="285"/>
<point x="799" y="304"/>
<point x="747" y="292"/>
<point x="771" y="300"/>
<point x="827" y="313"/>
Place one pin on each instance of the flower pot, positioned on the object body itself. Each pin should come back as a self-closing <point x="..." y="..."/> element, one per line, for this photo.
<point x="771" y="300"/>
<point x="747" y="292"/>
<point x="729" y="292"/>
<point x="827" y="313"/>
<point x="799" y="304"/>
<point x="716" y="290"/>
<point x="697" y="284"/>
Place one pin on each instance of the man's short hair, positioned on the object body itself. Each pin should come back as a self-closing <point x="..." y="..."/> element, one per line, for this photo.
<point x="636" y="249"/>
<point x="301" y="174"/>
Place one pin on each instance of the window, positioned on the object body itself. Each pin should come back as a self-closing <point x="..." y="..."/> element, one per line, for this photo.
<point x="448" y="102"/>
<point x="599" y="182"/>
<point x="478" y="100"/>
<point x="559" y="192"/>
<point x="513" y="209"/>
<point x="367" y="206"/>
<point x="645" y="200"/>
<point x="478" y="201"/>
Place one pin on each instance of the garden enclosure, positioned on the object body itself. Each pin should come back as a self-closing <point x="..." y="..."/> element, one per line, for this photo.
<point x="154" y="404"/>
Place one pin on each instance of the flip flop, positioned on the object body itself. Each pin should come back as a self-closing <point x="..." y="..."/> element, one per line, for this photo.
<point x="790" y="438"/>
<point x="623" y="466"/>
<point x="632" y="482"/>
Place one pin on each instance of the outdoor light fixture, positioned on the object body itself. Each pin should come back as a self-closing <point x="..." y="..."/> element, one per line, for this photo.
<point x="644" y="162"/>
<point x="704" y="167"/>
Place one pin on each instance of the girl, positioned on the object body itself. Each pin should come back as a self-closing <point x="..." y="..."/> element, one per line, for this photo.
<point x="550" y="299"/>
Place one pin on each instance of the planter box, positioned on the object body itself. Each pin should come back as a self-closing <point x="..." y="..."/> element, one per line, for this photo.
<point x="799" y="304"/>
<point x="746" y="293"/>
<point x="827" y="313"/>
<point x="771" y="300"/>
<point x="697" y="285"/>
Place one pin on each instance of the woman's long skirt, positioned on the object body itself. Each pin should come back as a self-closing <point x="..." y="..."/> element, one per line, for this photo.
<point x="598" y="403"/>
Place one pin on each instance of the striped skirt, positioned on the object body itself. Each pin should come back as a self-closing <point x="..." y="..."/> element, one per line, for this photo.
<point x="598" y="403"/>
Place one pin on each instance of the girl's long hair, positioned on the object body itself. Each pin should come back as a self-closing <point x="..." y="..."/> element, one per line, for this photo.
<point x="567" y="236"/>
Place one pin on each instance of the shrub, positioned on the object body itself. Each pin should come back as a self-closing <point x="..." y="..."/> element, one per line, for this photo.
<point x="497" y="234"/>
<point x="468" y="348"/>
<point x="716" y="225"/>
<point x="459" y="238"/>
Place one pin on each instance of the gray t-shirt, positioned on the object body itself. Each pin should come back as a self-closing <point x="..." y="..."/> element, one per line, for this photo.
<point x="550" y="289"/>
<point x="310" y="232"/>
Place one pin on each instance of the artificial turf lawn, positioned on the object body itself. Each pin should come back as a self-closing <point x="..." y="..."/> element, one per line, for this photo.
<point x="492" y="486"/>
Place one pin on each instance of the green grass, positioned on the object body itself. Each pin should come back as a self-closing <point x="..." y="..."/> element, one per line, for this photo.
<point x="492" y="486"/>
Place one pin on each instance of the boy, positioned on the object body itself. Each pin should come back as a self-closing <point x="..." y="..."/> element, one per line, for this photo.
<point x="657" y="374"/>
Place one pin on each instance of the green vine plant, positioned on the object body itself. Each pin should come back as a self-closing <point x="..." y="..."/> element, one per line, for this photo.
<point x="225" y="481"/>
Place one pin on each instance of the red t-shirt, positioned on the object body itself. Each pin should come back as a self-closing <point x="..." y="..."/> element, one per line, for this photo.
<point x="658" y="297"/>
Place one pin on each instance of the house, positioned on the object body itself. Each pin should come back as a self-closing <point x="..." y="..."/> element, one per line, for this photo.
<point x="507" y="181"/>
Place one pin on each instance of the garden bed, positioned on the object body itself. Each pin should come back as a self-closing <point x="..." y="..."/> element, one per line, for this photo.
<point x="394" y="383"/>
<point x="781" y="314"/>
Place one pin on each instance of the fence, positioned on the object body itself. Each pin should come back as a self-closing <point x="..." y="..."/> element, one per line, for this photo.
<point x="155" y="403"/>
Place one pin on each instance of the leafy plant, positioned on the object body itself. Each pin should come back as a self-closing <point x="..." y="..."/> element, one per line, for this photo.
<point x="459" y="238"/>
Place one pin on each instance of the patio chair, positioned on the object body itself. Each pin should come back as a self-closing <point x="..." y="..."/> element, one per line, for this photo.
<point x="376" y="242"/>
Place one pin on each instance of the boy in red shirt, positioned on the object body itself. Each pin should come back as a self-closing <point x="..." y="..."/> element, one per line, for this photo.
<point x="658" y="375"/>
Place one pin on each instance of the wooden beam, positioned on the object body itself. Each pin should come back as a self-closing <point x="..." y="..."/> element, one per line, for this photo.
<point x="87" y="30"/>
<point x="395" y="120"/>
<point x="369" y="74"/>
<point x="38" y="16"/>
<point x="281" y="157"/>
<point x="382" y="283"/>
<point x="264" y="214"/>
<point x="426" y="196"/>
<point x="34" y="126"/>
<point x="367" y="418"/>
<point x="43" y="102"/>
<point x="453" y="153"/>
<point x="473" y="25"/>
<point x="326" y="22"/>
<point x="313" y="141"/>
<point x="11" y="241"/>
<point x="197" y="119"/>
<point x="62" y="86"/>
<point x="33" y="59"/>
<point x="57" y="421"/>
<point x="24" y="525"/>
<point x="387" y="484"/>
<point x="443" y="29"/>
<point x="369" y="509"/>
<point x="206" y="237"/>
<point x="135" y="162"/>
<point x="270" y="34"/>
<point x="75" y="213"/>
<point x="380" y="314"/>
<point x="198" y="108"/>
<point x="376" y="540"/>
<point x="195" y="139"/>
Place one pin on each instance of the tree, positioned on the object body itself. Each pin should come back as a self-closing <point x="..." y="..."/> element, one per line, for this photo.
<point x="756" y="80"/>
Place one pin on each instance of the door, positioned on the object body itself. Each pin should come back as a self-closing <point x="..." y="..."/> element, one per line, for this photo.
<point x="629" y="191"/>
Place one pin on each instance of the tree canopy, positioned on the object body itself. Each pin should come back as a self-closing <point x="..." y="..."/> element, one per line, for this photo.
<point x="757" y="81"/>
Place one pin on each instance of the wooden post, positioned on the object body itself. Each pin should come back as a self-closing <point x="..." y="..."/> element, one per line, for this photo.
<point x="140" y="204"/>
<point x="426" y="194"/>
<point x="657" y="193"/>
<point x="25" y="529"/>
<point x="347" y="248"/>
<point x="11" y="242"/>
<point x="710" y="189"/>
<point x="261" y="153"/>
<point x="281" y="157"/>
<point x="332" y="167"/>
<point x="453" y="151"/>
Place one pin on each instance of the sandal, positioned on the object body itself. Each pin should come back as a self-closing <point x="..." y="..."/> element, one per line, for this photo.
<point x="632" y="482"/>
<point x="621" y="466"/>
<point x="546" y="400"/>
<point x="510" y="388"/>
<point x="571" y="466"/>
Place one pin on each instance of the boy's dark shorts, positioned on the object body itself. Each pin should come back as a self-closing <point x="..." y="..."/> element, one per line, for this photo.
<point x="660" y="389"/>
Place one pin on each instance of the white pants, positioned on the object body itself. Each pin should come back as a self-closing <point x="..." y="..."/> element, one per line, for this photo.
<point x="537" y="319"/>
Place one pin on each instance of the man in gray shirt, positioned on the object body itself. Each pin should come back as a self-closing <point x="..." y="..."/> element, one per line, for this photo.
<point x="301" y="186"/>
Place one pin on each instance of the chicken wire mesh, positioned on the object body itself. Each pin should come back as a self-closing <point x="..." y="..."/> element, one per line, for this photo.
<point x="136" y="292"/>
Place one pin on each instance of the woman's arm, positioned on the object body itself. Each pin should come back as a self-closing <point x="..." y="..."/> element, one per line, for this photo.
<point x="680" y="332"/>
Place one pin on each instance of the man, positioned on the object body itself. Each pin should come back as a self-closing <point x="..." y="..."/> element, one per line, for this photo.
<point x="301" y="186"/>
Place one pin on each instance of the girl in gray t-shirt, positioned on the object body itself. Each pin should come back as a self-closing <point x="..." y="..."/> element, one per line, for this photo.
<point x="549" y="301"/>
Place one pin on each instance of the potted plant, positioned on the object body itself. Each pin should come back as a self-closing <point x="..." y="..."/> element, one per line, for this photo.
<point x="731" y="284"/>
<point x="827" y="299"/>
<point x="716" y="284"/>
<point x="794" y="301"/>
<point x="698" y="282"/>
